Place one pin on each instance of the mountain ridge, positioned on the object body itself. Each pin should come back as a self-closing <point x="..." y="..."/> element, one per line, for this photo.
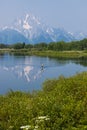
<point x="30" y="29"/>
<point x="11" y="36"/>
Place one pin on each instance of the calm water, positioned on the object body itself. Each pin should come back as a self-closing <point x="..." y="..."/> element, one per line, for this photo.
<point x="24" y="72"/>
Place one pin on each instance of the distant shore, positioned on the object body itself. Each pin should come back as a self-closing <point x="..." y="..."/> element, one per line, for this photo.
<point x="50" y="53"/>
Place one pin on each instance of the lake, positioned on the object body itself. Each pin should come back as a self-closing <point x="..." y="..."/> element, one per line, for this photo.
<point x="25" y="73"/>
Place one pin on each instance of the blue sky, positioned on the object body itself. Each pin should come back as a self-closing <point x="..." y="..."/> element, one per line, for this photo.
<point x="70" y="14"/>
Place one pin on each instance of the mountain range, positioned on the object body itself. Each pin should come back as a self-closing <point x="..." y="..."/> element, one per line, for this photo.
<point x="30" y="29"/>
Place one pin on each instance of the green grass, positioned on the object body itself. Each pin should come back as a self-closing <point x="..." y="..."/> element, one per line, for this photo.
<point x="58" y="54"/>
<point x="62" y="54"/>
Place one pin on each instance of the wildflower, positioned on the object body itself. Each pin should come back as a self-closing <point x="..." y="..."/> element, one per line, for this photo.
<point x="43" y="118"/>
<point x="25" y="127"/>
<point x="36" y="127"/>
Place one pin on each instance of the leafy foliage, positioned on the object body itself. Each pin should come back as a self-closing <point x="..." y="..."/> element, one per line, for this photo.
<point x="60" y="105"/>
<point x="55" y="46"/>
<point x="19" y="45"/>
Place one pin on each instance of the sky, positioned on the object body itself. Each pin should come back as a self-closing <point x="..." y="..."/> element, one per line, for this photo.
<point x="69" y="14"/>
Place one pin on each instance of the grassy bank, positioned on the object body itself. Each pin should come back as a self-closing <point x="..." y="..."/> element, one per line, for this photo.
<point x="60" y="105"/>
<point x="61" y="54"/>
<point x="58" y="54"/>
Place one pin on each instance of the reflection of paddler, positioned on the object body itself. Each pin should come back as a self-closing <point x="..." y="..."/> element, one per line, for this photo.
<point x="42" y="66"/>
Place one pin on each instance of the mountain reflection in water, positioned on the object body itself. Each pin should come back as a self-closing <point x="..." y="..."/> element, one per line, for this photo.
<point x="28" y="72"/>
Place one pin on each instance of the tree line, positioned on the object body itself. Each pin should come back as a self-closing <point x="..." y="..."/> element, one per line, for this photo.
<point x="55" y="46"/>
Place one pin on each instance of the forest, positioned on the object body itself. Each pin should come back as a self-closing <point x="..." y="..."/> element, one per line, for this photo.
<point x="55" y="46"/>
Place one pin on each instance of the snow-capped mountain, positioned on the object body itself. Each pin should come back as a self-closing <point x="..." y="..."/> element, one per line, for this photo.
<point x="33" y="29"/>
<point x="30" y="29"/>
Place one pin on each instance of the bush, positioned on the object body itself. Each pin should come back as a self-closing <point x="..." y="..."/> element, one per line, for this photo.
<point x="60" y="105"/>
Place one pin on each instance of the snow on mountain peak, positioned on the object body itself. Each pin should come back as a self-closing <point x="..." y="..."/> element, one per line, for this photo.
<point x="27" y="26"/>
<point x="27" y="15"/>
<point x="33" y="29"/>
<point x="70" y="33"/>
<point x="36" y="31"/>
<point x="31" y="18"/>
<point x="36" y="20"/>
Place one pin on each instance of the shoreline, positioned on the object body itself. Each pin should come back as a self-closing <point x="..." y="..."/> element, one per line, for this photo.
<point x="49" y="53"/>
